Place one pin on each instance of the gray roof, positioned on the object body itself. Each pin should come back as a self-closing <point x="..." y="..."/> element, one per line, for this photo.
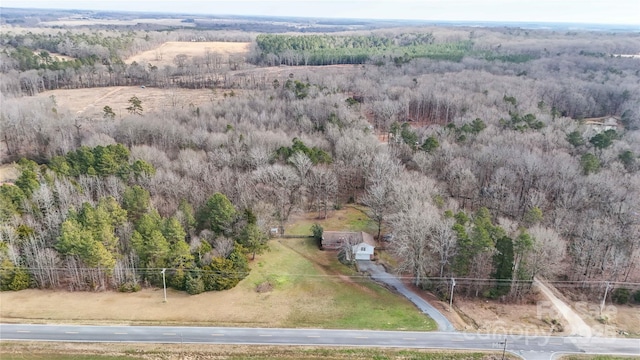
<point x="334" y="240"/>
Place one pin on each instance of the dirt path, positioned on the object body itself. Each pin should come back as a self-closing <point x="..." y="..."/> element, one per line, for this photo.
<point x="111" y="92"/>
<point x="577" y="325"/>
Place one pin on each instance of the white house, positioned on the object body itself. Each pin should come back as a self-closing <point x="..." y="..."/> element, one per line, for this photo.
<point x="597" y="125"/>
<point x="355" y="245"/>
<point x="362" y="251"/>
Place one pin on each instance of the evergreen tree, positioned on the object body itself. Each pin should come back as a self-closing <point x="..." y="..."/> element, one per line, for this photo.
<point x="253" y="240"/>
<point x="141" y="168"/>
<point x="217" y="214"/>
<point x="75" y="239"/>
<point x="604" y="139"/>
<point x="11" y="200"/>
<point x="107" y="112"/>
<point x="13" y="277"/>
<point x="590" y="164"/>
<point x="152" y="247"/>
<point x="503" y="265"/>
<point x="137" y="201"/>
<point x="28" y="179"/>
<point x="477" y="126"/>
<point x="135" y="106"/>
<point x="430" y="144"/>
<point x="575" y="138"/>
<point x="194" y="284"/>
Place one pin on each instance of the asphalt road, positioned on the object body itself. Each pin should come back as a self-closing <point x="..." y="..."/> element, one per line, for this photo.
<point x="529" y="347"/>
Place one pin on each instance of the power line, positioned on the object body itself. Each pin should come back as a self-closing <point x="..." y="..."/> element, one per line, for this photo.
<point x="441" y="280"/>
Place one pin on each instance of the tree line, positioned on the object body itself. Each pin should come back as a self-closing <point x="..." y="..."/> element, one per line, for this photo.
<point x="485" y="169"/>
<point x="275" y="49"/>
<point x="111" y="236"/>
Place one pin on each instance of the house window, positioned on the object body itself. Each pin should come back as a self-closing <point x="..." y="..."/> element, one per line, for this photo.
<point x="363" y="249"/>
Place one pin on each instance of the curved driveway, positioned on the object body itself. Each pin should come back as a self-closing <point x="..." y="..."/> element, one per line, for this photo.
<point x="378" y="273"/>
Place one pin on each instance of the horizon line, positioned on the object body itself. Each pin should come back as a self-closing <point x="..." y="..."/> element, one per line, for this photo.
<point x="178" y="13"/>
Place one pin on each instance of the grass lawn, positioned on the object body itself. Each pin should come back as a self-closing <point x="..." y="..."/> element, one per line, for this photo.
<point x="345" y="299"/>
<point x="349" y="218"/>
<point x="305" y="287"/>
<point x="32" y="356"/>
<point x="310" y="288"/>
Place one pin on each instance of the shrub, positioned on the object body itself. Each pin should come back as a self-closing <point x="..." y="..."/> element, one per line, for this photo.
<point x="129" y="287"/>
<point x="177" y="279"/>
<point x="13" y="278"/>
<point x="20" y="280"/>
<point x="317" y="231"/>
<point x="636" y="297"/>
<point x="621" y="296"/>
<point x="194" y="285"/>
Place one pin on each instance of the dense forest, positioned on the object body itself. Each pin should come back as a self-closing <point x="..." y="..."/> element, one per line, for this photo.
<point x="355" y="49"/>
<point x="484" y="165"/>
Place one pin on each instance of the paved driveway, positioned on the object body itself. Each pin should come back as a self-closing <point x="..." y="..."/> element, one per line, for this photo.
<point x="379" y="274"/>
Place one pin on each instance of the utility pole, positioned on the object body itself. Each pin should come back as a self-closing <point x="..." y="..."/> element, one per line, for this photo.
<point x="504" y="349"/>
<point x="453" y="284"/>
<point x="606" y="290"/>
<point x="164" y="285"/>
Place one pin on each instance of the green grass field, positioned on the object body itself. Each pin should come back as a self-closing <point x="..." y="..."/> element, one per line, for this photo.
<point x="337" y="296"/>
<point x="349" y="218"/>
<point x="330" y="294"/>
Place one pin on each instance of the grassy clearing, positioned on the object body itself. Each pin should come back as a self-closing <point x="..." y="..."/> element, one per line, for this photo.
<point x="349" y="218"/>
<point x="57" y="351"/>
<point x="165" y="54"/>
<point x="90" y="102"/>
<point x="64" y="357"/>
<point x="9" y="173"/>
<point x="615" y="320"/>
<point x="355" y="301"/>
<point x="310" y="289"/>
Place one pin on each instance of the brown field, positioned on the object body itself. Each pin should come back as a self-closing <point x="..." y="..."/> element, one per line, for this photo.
<point x="495" y="317"/>
<point x="144" y="307"/>
<point x="242" y="304"/>
<point x="303" y="280"/>
<point x="8" y="173"/>
<point x="165" y="53"/>
<point x="119" y="351"/>
<point x="90" y="102"/>
<point x="56" y="56"/>
<point x="615" y="319"/>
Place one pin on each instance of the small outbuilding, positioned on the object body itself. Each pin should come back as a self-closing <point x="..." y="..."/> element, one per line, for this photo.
<point x="598" y="125"/>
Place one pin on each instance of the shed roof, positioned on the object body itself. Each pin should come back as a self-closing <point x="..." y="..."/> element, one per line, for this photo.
<point x="333" y="240"/>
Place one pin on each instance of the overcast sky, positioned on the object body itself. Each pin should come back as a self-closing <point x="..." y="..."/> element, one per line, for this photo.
<point x="574" y="11"/>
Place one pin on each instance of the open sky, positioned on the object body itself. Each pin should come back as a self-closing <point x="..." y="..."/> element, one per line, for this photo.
<point x="571" y="11"/>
